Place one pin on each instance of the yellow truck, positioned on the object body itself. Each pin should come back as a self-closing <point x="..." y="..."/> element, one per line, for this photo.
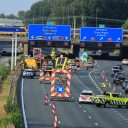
<point x="29" y="67"/>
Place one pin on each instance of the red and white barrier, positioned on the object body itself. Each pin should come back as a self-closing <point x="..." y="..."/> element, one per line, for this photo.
<point x="46" y="100"/>
<point x="53" y="109"/>
<point x="56" y="125"/>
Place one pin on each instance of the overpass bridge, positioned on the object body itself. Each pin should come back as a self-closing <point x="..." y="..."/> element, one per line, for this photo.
<point x="22" y="37"/>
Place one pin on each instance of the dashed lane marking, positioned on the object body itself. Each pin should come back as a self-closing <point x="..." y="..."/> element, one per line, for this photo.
<point x="96" y="124"/>
<point x="89" y="117"/>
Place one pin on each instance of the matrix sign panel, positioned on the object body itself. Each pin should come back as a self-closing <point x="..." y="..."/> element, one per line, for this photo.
<point x="49" y="32"/>
<point x="92" y="34"/>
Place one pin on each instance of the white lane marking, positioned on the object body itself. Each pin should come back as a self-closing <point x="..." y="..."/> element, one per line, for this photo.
<point x="22" y="102"/>
<point x="89" y="117"/>
<point x="93" y="80"/>
<point x="84" y="111"/>
<point x="80" y="106"/>
<point x="96" y="124"/>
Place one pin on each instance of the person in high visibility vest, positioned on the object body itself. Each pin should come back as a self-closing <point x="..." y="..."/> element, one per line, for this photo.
<point x="103" y="85"/>
<point x="52" y="54"/>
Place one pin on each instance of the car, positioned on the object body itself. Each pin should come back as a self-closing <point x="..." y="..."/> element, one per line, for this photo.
<point x="115" y="68"/>
<point x="114" y="72"/>
<point x="120" y="66"/>
<point x="125" y="84"/>
<point x="116" y="75"/>
<point x="105" y="54"/>
<point x="90" y="64"/>
<point x="72" y="66"/>
<point x="119" y="80"/>
<point x="86" y="96"/>
<point x="125" y="62"/>
<point x="8" y="51"/>
<point x="126" y="89"/>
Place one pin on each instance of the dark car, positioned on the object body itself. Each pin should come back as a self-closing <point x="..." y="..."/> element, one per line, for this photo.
<point x="114" y="72"/>
<point x="8" y="51"/>
<point x="120" y="66"/>
<point x="119" y="79"/>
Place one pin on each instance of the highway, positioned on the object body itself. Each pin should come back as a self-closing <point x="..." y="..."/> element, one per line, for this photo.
<point x="72" y="114"/>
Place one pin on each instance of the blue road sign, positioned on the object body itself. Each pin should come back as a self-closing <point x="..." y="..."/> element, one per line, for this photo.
<point x="49" y="32"/>
<point x="11" y="29"/>
<point x="92" y="34"/>
<point x="60" y="89"/>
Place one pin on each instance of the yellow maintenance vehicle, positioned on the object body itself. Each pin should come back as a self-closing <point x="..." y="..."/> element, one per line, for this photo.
<point x="60" y="80"/>
<point x="110" y="99"/>
<point x="29" y="67"/>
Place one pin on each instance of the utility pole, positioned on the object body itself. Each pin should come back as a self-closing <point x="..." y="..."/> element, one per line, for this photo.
<point x="82" y="21"/>
<point x="96" y="17"/>
<point x="63" y="15"/>
<point x="15" y="48"/>
<point x="74" y="20"/>
<point x="12" y="58"/>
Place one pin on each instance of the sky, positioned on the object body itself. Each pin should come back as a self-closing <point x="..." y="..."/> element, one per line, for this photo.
<point x="13" y="6"/>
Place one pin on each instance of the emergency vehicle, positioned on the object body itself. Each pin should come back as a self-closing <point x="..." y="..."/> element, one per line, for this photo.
<point x="110" y="99"/>
<point x="85" y="96"/>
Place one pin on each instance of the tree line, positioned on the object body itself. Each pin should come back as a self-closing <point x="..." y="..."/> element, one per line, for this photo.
<point x="112" y="13"/>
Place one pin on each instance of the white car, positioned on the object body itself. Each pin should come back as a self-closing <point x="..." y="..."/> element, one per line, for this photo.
<point x="125" y="61"/>
<point x="72" y="66"/>
<point x="86" y="96"/>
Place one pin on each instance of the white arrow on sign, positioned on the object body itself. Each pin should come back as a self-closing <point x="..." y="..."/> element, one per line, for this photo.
<point x="118" y="38"/>
<point x="66" y="37"/>
<point x="32" y="37"/>
<point x="49" y="37"/>
<point x="60" y="89"/>
<point x="84" y="38"/>
<point x="101" y="38"/>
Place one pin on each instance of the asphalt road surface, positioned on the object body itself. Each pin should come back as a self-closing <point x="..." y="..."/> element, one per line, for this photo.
<point x="71" y="114"/>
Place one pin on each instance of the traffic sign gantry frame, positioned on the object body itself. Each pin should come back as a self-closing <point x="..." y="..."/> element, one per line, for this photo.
<point x="95" y="34"/>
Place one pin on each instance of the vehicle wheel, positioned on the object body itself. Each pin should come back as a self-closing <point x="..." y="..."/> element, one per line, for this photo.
<point x="98" y="105"/>
<point x="107" y="105"/>
<point x="119" y="106"/>
<point x="127" y="105"/>
<point x="126" y="92"/>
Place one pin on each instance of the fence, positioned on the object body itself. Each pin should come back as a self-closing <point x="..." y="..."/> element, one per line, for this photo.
<point x="14" y="82"/>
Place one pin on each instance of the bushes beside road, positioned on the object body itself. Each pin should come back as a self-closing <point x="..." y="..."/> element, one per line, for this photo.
<point x="10" y="114"/>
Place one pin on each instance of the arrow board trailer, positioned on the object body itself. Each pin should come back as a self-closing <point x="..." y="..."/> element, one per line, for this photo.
<point x="60" y="84"/>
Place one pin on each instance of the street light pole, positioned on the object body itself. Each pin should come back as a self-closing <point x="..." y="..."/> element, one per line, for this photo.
<point x="12" y="58"/>
<point x="15" y="48"/>
<point x="96" y="17"/>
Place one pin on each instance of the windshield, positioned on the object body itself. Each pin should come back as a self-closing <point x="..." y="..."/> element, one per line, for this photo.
<point x="86" y="93"/>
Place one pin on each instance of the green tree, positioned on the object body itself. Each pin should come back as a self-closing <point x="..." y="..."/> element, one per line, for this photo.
<point x="125" y="25"/>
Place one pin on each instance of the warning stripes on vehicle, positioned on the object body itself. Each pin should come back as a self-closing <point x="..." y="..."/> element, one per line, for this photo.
<point x="53" y="92"/>
<point x="112" y="102"/>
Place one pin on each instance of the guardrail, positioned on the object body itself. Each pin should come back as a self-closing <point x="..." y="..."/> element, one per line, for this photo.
<point x="14" y="81"/>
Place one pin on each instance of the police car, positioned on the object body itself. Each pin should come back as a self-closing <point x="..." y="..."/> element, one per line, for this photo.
<point x="86" y="96"/>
